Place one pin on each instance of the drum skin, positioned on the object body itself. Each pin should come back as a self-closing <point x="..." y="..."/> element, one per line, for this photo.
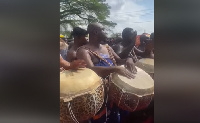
<point x="81" y="95"/>
<point x="131" y="98"/>
<point x="147" y="65"/>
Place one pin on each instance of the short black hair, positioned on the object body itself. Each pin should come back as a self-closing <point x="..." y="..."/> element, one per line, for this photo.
<point x="127" y="32"/>
<point x="77" y="31"/>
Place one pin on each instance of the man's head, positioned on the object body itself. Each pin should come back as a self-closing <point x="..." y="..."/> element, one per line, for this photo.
<point x="79" y="35"/>
<point x="96" y="31"/>
<point x="129" y="35"/>
<point x="144" y="38"/>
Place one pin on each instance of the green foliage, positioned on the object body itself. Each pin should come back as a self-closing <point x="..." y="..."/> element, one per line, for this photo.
<point x="82" y="12"/>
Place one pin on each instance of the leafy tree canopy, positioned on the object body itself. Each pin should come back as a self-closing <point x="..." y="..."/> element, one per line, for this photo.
<point x="82" y="12"/>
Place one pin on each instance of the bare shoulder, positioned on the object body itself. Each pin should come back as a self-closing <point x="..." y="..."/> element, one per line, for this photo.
<point x="81" y="50"/>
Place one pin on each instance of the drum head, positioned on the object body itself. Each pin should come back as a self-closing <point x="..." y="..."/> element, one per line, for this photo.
<point x="77" y="82"/>
<point x="146" y="64"/>
<point x="141" y="85"/>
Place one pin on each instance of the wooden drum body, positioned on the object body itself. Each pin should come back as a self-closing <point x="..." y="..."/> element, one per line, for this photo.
<point x="131" y="94"/>
<point x="147" y="65"/>
<point x="81" y="95"/>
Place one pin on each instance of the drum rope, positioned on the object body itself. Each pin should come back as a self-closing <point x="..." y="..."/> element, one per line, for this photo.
<point x="95" y="103"/>
<point x="123" y="91"/>
<point x="106" y="101"/>
<point x="111" y="55"/>
<point x="72" y="114"/>
<point x="134" y="57"/>
<point x="97" y="55"/>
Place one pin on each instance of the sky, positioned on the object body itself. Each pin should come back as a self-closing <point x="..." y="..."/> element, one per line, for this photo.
<point x="137" y="14"/>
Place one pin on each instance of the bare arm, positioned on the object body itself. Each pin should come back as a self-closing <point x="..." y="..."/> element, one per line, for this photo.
<point x="71" y="56"/>
<point x="117" y="58"/>
<point x="64" y="64"/>
<point x="73" y="65"/>
<point x="128" y="62"/>
<point x="138" y="52"/>
<point x="124" y="54"/>
<point x="101" y="71"/>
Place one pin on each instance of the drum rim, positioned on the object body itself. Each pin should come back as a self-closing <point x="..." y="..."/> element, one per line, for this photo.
<point x="150" y="90"/>
<point x="69" y="97"/>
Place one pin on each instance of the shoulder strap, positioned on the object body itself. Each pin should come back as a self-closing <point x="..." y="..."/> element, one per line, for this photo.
<point x="97" y="55"/>
<point x="111" y="55"/>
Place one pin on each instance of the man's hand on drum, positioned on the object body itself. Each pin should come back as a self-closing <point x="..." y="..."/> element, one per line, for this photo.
<point x="130" y="65"/>
<point x="124" y="72"/>
<point x="77" y="64"/>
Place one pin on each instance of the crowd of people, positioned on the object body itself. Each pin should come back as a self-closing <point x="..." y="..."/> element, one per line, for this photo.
<point x="103" y="57"/>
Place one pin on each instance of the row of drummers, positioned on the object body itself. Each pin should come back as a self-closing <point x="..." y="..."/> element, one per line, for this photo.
<point x="110" y="87"/>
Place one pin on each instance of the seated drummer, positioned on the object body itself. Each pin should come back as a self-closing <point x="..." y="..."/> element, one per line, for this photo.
<point x="79" y="35"/>
<point x="98" y="58"/>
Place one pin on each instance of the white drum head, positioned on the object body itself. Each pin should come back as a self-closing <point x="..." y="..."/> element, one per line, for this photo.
<point x="77" y="82"/>
<point x="146" y="64"/>
<point x="142" y="84"/>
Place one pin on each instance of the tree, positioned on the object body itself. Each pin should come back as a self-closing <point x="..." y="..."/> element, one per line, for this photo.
<point x="82" y="12"/>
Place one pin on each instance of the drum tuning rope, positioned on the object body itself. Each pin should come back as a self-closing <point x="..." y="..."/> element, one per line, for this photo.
<point x="95" y="103"/>
<point x="72" y="114"/>
<point x="134" y="57"/>
<point x="121" y="96"/>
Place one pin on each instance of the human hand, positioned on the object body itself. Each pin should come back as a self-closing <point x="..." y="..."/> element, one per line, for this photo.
<point x="122" y="71"/>
<point x="130" y="65"/>
<point x="77" y="64"/>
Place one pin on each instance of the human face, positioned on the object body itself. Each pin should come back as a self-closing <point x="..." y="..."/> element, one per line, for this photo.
<point x="132" y="36"/>
<point x="101" y="33"/>
<point x="82" y="40"/>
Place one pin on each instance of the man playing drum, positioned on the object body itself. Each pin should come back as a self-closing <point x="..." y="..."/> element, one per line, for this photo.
<point x="127" y="47"/>
<point x="101" y="59"/>
<point x="79" y="35"/>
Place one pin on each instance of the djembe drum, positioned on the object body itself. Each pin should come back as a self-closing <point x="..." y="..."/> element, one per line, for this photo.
<point x="147" y="65"/>
<point x="81" y="95"/>
<point x="131" y="94"/>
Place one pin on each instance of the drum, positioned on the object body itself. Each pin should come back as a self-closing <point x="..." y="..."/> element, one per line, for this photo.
<point x="81" y="95"/>
<point x="147" y="65"/>
<point x="131" y="94"/>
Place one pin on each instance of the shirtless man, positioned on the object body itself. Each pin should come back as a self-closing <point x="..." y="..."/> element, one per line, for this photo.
<point x="79" y="35"/>
<point x="127" y="47"/>
<point x="102" y="60"/>
<point x="87" y="53"/>
<point x="66" y="65"/>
